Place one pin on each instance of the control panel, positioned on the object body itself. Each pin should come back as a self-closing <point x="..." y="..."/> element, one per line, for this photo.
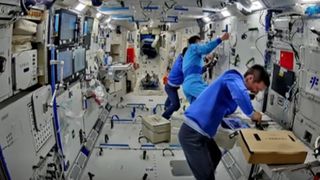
<point x="306" y="129"/>
<point x="25" y="64"/>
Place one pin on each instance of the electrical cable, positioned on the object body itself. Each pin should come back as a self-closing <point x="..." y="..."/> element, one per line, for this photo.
<point x="317" y="142"/>
<point x="261" y="14"/>
<point x="199" y="3"/>
<point x="302" y="20"/>
<point x="168" y="6"/>
<point x="256" y="44"/>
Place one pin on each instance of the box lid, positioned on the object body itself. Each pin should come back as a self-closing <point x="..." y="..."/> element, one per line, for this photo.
<point x="272" y="141"/>
<point x="156" y="123"/>
<point x="271" y="147"/>
<point x="156" y="120"/>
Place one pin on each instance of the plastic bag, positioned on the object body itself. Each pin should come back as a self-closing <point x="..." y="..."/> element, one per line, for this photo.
<point x="97" y="91"/>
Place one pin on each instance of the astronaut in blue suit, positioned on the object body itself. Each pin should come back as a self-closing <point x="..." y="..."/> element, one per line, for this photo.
<point x="175" y="79"/>
<point x="204" y="115"/>
<point x="193" y="83"/>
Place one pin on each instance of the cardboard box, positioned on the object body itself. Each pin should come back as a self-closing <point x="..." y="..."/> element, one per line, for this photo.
<point x="271" y="147"/>
<point x="156" y="128"/>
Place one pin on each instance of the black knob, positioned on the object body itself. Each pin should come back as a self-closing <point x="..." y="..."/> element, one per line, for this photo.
<point x="90" y="175"/>
<point x="145" y="176"/>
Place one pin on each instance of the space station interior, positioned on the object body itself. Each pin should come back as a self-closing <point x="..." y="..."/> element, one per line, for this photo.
<point x="83" y="89"/>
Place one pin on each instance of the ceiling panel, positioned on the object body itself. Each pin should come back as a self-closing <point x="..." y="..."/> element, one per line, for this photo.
<point x="161" y="11"/>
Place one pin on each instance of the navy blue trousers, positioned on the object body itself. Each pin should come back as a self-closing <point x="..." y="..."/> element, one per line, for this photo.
<point x="172" y="103"/>
<point x="202" y="153"/>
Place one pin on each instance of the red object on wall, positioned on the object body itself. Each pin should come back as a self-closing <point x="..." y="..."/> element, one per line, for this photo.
<point x="287" y="59"/>
<point x="130" y="55"/>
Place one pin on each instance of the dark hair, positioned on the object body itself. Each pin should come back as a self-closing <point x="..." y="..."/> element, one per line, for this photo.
<point x="193" y="39"/>
<point x="259" y="73"/>
<point x="184" y="51"/>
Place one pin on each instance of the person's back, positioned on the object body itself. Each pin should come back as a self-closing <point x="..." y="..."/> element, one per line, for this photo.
<point x="204" y="115"/>
<point x="175" y="77"/>
<point x="192" y="65"/>
<point x="193" y="83"/>
<point x="217" y="101"/>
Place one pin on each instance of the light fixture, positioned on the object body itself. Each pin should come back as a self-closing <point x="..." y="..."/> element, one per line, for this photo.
<point x="310" y="1"/>
<point x="206" y="19"/>
<point x="225" y="13"/>
<point x="256" y="5"/>
<point x="80" y="7"/>
<point x="108" y="20"/>
<point x="98" y="15"/>
<point x="112" y="27"/>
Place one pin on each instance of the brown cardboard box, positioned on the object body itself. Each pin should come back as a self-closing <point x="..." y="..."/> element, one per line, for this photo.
<point x="271" y="147"/>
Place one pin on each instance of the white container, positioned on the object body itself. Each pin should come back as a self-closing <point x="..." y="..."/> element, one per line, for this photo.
<point x="156" y="128"/>
<point x="24" y="27"/>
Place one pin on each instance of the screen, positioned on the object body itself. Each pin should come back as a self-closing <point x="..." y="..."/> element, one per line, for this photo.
<point x="87" y="29"/>
<point x="88" y="26"/>
<point x="282" y="80"/>
<point x="65" y="56"/>
<point x="79" y="59"/>
<point x="67" y="26"/>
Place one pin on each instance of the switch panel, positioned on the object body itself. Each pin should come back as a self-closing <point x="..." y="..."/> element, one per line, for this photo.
<point x="41" y="117"/>
<point x="306" y="130"/>
<point x="5" y="63"/>
<point x="25" y="69"/>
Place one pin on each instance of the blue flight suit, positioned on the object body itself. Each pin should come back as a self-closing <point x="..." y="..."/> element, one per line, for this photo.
<point x="193" y="83"/>
<point x="203" y="117"/>
<point x="175" y="79"/>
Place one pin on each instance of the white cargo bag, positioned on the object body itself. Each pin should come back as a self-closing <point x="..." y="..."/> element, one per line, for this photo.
<point x="156" y="128"/>
<point x="24" y="27"/>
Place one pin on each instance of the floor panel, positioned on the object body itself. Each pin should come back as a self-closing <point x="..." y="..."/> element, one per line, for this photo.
<point x="122" y="155"/>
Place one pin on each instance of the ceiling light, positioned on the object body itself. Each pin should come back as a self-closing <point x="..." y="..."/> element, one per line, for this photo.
<point x="310" y="1"/>
<point x="225" y="13"/>
<point x="206" y="19"/>
<point x="256" y="5"/>
<point x="80" y="7"/>
<point x="98" y="15"/>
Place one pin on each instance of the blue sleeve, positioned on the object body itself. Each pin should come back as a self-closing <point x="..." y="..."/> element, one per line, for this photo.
<point x="204" y="69"/>
<point x="207" y="48"/>
<point x="177" y="63"/>
<point x="239" y="94"/>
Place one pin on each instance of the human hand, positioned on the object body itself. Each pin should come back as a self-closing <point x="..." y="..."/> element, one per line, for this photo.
<point x="225" y="36"/>
<point x="257" y="117"/>
<point x="209" y="57"/>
